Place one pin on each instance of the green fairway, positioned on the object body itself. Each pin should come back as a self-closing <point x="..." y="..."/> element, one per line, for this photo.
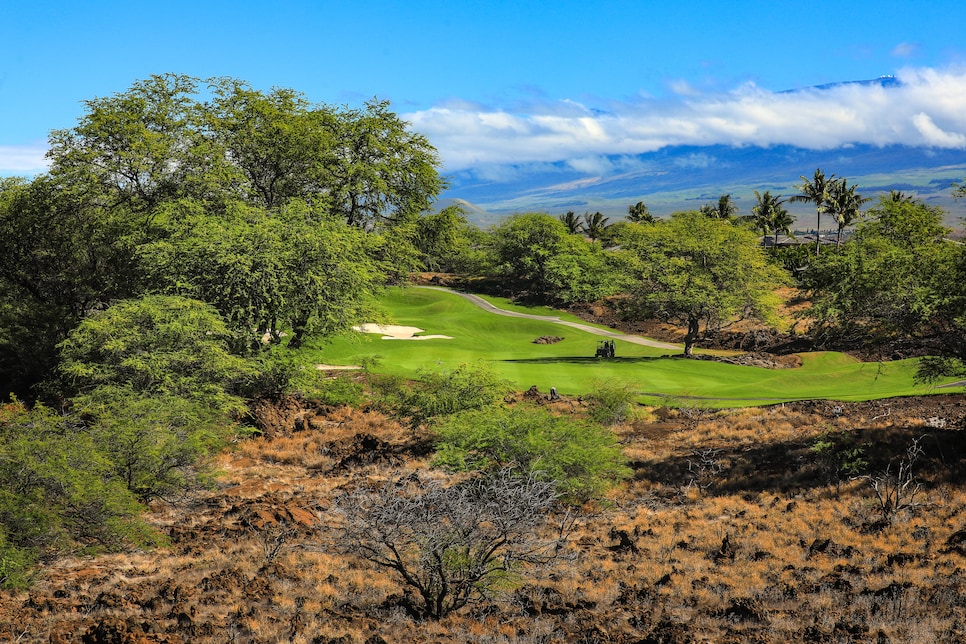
<point x="507" y="344"/>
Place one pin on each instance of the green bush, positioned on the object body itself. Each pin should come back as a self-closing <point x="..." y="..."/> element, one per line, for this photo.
<point x="584" y="460"/>
<point x="16" y="564"/>
<point x="441" y="393"/>
<point x="156" y="386"/>
<point x="58" y="492"/>
<point x="339" y="391"/>
<point x="158" y="445"/>
<point x="612" y="403"/>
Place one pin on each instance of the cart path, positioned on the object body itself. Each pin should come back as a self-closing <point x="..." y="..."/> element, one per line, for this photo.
<point x="616" y="335"/>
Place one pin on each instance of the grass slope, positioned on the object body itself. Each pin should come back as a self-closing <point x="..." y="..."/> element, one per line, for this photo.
<point x="507" y="344"/>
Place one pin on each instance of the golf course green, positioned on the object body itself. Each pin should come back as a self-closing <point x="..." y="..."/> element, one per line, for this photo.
<point x="659" y="375"/>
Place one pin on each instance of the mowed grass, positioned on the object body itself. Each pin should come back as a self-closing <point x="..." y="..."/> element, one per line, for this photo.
<point x="506" y="343"/>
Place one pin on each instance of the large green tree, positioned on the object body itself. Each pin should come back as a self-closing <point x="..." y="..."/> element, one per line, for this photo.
<point x="384" y="172"/>
<point x="444" y="240"/>
<point x="292" y="269"/>
<point x="58" y="260"/>
<point x="895" y="277"/>
<point x="134" y="149"/>
<point x="255" y="202"/>
<point x="536" y="256"/>
<point x="696" y="270"/>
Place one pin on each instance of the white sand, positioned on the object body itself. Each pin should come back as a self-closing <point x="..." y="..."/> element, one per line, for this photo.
<point x="395" y="332"/>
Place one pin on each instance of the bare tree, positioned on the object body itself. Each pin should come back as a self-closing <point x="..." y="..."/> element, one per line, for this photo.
<point x="452" y="545"/>
<point x="896" y="489"/>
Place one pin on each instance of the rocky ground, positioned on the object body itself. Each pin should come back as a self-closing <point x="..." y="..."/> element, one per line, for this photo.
<point x="752" y="525"/>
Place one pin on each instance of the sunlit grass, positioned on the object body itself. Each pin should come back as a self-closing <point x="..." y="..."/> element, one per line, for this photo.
<point x="506" y="343"/>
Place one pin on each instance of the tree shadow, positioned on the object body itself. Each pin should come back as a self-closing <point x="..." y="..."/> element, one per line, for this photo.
<point x="792" y="466"/>
<point x="586" y="360"/>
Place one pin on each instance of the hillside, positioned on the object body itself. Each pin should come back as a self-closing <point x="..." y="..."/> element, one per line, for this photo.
<point x="686" y="177"/>
<point x="738" y="526"/>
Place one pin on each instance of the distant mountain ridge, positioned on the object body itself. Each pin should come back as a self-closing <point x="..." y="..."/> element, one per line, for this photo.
<point x="684" y="177"/>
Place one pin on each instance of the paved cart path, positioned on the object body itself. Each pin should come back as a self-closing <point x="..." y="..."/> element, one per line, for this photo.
<point x="616" y="335"/>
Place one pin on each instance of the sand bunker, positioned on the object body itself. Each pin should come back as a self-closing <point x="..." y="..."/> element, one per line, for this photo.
<point x="395" y="332"/>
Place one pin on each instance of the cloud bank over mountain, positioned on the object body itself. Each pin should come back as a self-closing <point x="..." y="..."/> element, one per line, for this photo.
<point x="919" y="107"/>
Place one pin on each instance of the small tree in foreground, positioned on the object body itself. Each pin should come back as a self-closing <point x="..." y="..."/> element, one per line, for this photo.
<point x="584" y="460"/>
<point x="440" y="393"/>
<point x="452" y="545"/>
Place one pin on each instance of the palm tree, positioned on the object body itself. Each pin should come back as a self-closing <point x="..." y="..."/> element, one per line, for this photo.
<point x="844" y="204"/>
<point x="639" y="213"/>
<point x="898" y="196"/>
<point x="595" y="225"/>
<point x="815" y="191"/>
<point x="572" y="222"/>
<point x="725" y="208"/>
<point x="770" y="216"/>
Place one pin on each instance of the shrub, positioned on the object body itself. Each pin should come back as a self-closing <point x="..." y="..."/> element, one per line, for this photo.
<point x="16" y="564"/>
<point x="158" y="445"/>
<point x="839" y="455"/>
<point x="154" y="381"/>
<point x="612" y="403"/>
<point x="442" y="393"/>
<point x="337" y="392"/>
<point x="58" y="492"/>
<point x="453" y="545"/>
<point x="584" y="460"/>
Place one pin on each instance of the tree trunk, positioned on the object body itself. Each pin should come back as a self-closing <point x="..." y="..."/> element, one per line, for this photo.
<point x="690" y="338"/>
<point x="818" y="232"/>
<point x="299" y="327"/>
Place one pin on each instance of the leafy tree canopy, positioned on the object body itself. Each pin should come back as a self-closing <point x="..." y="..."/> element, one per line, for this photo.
<point x="255" y="202"/>
<point x="582" y="459"/>
<point x="896" y="275"/>
<point x="694" y="269"/>
<point x="535" y="253"/>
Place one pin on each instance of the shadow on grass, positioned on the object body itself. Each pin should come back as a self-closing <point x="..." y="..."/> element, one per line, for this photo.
<point x="586" y="360"/>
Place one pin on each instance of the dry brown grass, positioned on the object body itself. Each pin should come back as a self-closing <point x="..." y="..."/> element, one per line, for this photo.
<point x="762" y="545"/>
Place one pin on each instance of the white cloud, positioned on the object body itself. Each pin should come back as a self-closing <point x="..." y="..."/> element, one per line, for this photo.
<point x="23" y="159"/>
<point x="937" y="137"/>
<point x="906" y="50"/>
<point x="927" y="109"/>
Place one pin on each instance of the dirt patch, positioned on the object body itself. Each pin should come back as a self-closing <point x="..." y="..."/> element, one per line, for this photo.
<point x="548" y="339"/>
<point x="759" y="359"/>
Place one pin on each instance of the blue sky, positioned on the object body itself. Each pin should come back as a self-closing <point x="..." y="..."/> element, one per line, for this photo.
<point x="500" y="83"/>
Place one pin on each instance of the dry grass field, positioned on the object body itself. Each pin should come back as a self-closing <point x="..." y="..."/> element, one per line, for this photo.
<point x="751" y="525"/>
